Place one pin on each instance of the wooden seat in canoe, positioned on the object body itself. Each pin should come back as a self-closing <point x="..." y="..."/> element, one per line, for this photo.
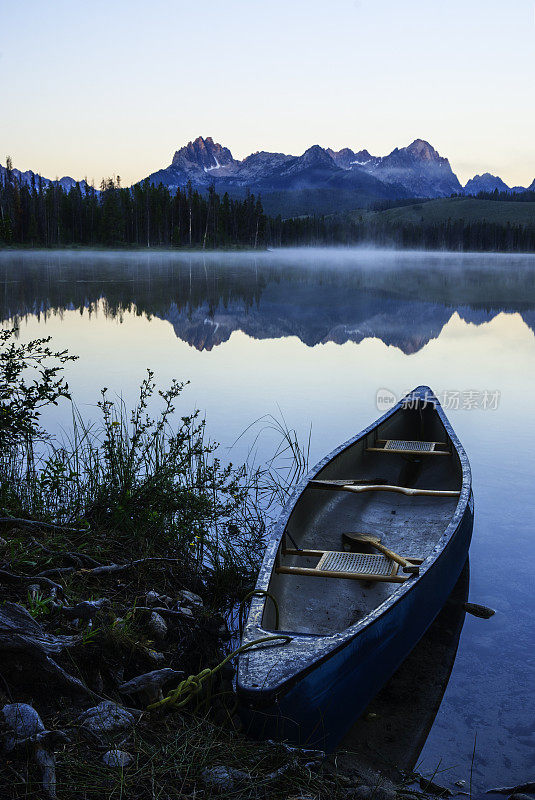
<point x="409" y="447"/>
<point x="356" y="566"/>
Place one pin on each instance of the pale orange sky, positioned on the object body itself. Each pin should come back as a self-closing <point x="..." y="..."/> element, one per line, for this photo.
<point x="102" y="88"/>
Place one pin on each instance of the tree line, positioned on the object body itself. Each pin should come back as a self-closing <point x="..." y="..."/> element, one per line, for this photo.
<point x="455" y="235"/>
<point x="45" y="214"/>
<point x="527" y="196"/>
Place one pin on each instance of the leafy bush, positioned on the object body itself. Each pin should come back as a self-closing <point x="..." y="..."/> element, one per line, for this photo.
<point x="22" y="399"/>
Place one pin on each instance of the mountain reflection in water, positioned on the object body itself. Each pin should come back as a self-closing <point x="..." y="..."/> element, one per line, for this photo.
<point x="404" y="299"/>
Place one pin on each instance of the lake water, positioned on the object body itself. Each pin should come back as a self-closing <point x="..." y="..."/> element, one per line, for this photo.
<point x="314" y="335"/>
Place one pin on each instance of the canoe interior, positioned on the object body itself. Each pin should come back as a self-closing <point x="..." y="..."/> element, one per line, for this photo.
<point x="410" y="526"/>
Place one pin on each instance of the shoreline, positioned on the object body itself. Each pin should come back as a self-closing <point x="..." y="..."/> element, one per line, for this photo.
<point x="244" y="250"/>
<point x="119" y="662"/>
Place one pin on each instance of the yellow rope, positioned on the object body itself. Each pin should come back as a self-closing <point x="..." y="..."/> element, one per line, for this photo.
<point x="193" y="684"/>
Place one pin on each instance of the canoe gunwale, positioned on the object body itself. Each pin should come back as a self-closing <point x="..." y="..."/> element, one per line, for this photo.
<point x="311" y="651"/>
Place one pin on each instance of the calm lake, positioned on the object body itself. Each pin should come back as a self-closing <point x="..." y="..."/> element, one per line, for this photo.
<point x="315" y="335"/>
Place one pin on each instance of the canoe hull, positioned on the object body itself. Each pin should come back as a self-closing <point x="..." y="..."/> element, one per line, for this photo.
<point x="318" y="709"/>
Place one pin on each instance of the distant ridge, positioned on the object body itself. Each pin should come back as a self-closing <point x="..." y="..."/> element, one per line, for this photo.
<point x="356" y="177"/>
<point x="321" y="180"/>
<point x="28" y="177"/>
<point x="490" y="183"/>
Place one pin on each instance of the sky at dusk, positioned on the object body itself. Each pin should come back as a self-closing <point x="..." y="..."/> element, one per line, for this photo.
<point x="116" y="86"/>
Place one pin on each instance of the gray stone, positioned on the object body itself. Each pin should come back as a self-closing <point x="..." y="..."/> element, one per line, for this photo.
<point x="152" y="598"/>
<point x="150" y="683"/>
<point x="28" y="730"/>
<point x="117" y="758"/>
<point x="105" y="718"/>
<point x="223" y="779"/>
<point x="157" y="626"/>
<point x="23" y="720"/>
<point x="187" y="613"/>
<point x="86" y="610"/>
<point x="189" y="599"/>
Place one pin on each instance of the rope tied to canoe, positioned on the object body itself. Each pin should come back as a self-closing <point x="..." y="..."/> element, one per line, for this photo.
<point x="193" y="684"/>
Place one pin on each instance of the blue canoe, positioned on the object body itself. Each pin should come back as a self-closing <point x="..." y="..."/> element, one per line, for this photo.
<point x="361" y="560"/>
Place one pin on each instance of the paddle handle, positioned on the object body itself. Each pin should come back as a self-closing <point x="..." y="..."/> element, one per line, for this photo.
<point x="407" y="566"/>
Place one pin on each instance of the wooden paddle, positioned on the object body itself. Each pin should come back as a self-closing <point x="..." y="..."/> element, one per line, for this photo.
<point x="359" y="487"/>
<point x="375" y="541"/>
<point x="339" y="484"/>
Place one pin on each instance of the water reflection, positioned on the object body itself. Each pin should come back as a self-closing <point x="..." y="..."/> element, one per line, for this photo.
<point x="391" y="734"/>
<point x="404" y="300"/>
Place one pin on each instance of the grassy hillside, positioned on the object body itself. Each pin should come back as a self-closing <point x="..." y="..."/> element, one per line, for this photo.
<point x="461" y="224"/>
<point x="294" y="203"/>
<point x="468" y="209"/>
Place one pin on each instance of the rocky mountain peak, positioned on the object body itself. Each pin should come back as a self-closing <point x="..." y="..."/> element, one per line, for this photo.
<point x="364" y="157"/>
<point x="204" y="153"/>
<point x="422" y="150"/>
<point x="485" y="183"/>
<point x="420" y="169"/>
<point x="342" y="158"/>
<point x="316" y="156"/>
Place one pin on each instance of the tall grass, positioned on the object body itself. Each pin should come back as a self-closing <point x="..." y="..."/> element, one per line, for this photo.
<point x="278" y="475"/>
<point x="140" y="484"/>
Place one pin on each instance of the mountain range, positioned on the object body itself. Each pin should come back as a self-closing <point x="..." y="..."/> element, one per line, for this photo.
<point x="319" y="180"/>
<point x="417" y="170"/>
<point x="29" y="176"/>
